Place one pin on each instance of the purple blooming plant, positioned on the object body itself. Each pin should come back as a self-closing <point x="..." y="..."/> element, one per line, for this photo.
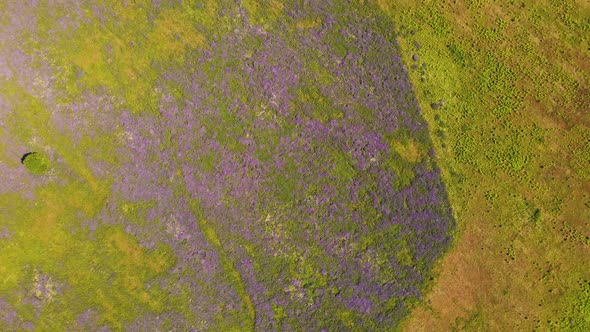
<point x="284" y="180"/>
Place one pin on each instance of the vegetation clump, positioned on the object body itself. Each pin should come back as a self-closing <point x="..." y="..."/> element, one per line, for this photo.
<point x="35" y="162"/>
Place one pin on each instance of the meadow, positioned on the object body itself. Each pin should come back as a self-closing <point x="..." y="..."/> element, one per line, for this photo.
<point x="298" y="165"/>
<point x="512" y="139"/>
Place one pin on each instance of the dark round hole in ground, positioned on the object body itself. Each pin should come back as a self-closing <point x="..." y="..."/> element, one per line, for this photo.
<point x="22" y="159"/>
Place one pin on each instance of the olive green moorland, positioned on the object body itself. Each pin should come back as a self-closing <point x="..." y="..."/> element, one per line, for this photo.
<point x="513" y="141"/>
<point x="502" y="85"/>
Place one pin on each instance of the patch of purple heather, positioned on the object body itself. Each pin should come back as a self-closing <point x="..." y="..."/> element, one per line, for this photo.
<point x="167" y="320"/>
<point x="294" y="186"/>
<point x="9" y="317"/>
<point x="88" y="320"/>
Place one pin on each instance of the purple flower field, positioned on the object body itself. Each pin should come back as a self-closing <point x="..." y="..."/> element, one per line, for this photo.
<point x="214" y="166"/>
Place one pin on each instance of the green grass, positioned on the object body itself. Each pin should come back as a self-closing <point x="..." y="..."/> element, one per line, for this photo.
<point x="51" y="230"/>
<point x="512" y="140"/>
<point x="36" y="163"/>
<point x="513" y="149"/>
